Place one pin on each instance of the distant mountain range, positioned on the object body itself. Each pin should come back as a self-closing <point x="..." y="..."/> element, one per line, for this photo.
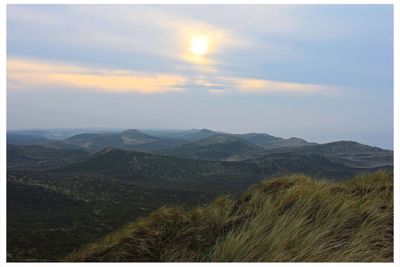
<point x="205" y="144"/>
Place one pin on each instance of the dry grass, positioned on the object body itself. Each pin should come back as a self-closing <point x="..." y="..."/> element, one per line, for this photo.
<point x="293" y="218"/>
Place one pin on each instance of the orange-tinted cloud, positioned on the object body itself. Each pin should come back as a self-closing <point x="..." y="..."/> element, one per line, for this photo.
<point x="263" y="86"/>
<point x="25" y="74"/>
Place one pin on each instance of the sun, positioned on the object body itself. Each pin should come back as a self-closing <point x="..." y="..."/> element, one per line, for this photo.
<point x="199" y="45"/>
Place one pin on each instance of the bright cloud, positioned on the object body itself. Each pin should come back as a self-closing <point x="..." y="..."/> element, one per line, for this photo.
<point x="27" y="73"/>
<point x="263" y="86"/>
<point x="37" y="74"/>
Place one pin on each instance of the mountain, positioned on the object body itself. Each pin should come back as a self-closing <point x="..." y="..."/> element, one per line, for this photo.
<point x="350" y="153"/>
<point x="59" y="144"/>
<point x="260" y="139"/>
<point x="316" y="165"/>
<point x="341" y="147"/>
<point x="26" y="139"/>
<point x="285" y="219"/>
<point x="269" y="142"/>
<point x="129" y="139"/>
<point x="193" y="134"/>
<point x="40" y="157"/>
<point x="290" y="142"/>
<point x="140" y="166"/>
<point x="225" y="147"/>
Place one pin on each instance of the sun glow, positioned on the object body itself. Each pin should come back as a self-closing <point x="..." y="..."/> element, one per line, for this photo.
<point x="199" y="45"/>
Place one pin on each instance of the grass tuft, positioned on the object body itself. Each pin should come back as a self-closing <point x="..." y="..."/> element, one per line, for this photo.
<point x="293" y="219"/>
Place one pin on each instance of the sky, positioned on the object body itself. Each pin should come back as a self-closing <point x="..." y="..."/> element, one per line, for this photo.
<point x="320" y="72"/>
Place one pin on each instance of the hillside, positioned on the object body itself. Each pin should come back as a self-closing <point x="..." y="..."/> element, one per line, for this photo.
<point x="350" y="153"/>
<point x="270" y="142"/>
<point x="285" y="219"/>
<point x="216" y="147"/>
<point x="26" y="139"/>
<point x="151" y="168"/>
<point x="341" y="147"/>
<point x="187" y="135"/>
<point x="129" y="139"/>
<point x="40" y="157"/>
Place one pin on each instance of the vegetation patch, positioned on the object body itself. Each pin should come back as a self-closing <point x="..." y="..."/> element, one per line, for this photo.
<point x="292" y="218"/>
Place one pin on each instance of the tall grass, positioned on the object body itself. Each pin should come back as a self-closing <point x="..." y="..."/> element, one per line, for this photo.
<point x="293" y="218"/>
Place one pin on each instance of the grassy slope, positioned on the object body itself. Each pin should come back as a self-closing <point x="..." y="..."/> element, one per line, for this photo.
<point x="293" y="218"/>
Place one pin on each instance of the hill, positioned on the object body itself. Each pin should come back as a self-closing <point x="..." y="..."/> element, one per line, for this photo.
<point x="187" y="135"/>
<point x="350" y="153"/>
<point x="40" y="157"/>
<point x="135" y="165"/>
<point x="129" y="139"/>
<point x="341" y="147"/>
<point x="285" y="219"/>
<point x="225" y="147"/>
<point x="269" y="142"/>
<point x="26" y="139"/>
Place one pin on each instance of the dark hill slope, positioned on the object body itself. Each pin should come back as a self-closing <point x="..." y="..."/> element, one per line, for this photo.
<point x="311" y="164"/>
<point x="341" y="147"/>
<point x="129" y="139"/>
<point x="40" y="157"/>
<point x="26" y="139"/>
<point x="140" y="165"/>
<point x="258" y="138"/>
<point x="270" y="142"/>
<point x="196" y="134"/>
<point x="225" y="147"/>
<point x="286" y="219"/>
<point x="349" y="153"/>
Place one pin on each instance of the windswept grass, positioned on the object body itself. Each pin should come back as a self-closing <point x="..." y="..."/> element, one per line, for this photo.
<point x="292" y="218"/>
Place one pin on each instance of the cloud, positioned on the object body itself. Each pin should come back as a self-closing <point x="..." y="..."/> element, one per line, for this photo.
<point x="244" y="85"/>
<point x="28" y="73"/>
<point x="25" y="73"/>
<point x="257" y="86"/>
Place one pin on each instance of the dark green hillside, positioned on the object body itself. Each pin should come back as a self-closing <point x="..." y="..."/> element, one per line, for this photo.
<point x="26" y="139"/>
<point x="311" y="164"/>
<point x="216" y="147"/>
<point x="50" y="215"/>
<point x="270" y="142"/>
<point x="28" y="157"/>
<point x="129" y="139"/>
<point x="286" y="219"/>
<point x="259" y="138"/>
<point x="341" y="147"/>
<point x="58" y="144"/>
<point x="135" y="165"/>
<point x="40" y="222"/>
<point x="290" y="142"/>
<point x="349" y="153"/>
<point x="188" y="135"/>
